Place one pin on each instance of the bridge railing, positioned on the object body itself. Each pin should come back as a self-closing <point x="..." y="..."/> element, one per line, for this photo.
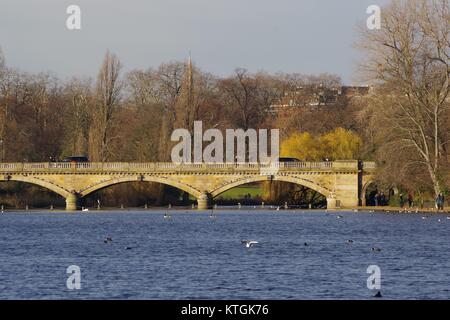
<point x="169" y="166"/>
<point x="369" y="165"/>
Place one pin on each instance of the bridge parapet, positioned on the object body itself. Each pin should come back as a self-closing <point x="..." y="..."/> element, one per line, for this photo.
<point x="369" y="165"/>
<point x="63" y="167"/>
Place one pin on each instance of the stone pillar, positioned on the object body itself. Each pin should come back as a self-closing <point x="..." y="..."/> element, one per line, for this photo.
<point x="204" y="201"/>
<point x="332" y="203"/>
<point x="72" y="202"/>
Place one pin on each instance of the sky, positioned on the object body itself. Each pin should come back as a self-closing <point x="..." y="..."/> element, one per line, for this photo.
<point x="292" y="36"/>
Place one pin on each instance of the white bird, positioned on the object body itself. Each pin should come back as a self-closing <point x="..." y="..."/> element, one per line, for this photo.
<point x="339" y="217"/>
<point x="212" y="216"/>
<point x="85" y="209"/>
<point x="248" y="243"/>
<point x="166" y="216"/>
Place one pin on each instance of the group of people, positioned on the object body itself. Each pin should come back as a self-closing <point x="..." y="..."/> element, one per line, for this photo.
<point x="410" y="200"/>
<point x="380" y="199"/>
<point x="377" y="199"/>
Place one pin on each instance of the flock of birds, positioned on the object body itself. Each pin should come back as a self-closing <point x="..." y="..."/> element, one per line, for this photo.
<point x="251" y="243"/>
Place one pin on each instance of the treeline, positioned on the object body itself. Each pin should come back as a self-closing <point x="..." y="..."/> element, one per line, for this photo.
<point x="130" y="116"/>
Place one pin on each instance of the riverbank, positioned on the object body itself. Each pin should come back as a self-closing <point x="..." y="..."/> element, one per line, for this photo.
<point x="389" y="210"/>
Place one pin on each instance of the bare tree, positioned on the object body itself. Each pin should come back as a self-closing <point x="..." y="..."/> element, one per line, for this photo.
<point x="108" y="92"/>
<point x="79" y="99"/>
<point x="248" y="97"/>
<point x="408" y="62"/>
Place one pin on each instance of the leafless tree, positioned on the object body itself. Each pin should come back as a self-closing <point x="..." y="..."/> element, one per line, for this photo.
<point x="108" y="91"/>
<point x="408" y="62"/>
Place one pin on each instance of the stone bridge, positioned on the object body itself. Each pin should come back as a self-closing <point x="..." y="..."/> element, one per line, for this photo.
<point x="343" y="183"/>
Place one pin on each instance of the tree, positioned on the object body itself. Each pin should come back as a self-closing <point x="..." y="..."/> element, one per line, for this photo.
<point x="2" y="63"/>
<point x="302" y="146"/>
<point x="79" y="99"/>
<point x="108" y="89"/>
<point x="248" y="98"/>
<point x="339" y="144"/>
<point x="408" y="64"/>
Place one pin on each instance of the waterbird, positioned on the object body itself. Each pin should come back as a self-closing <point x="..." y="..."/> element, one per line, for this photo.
<point x="350" y="241"/>
<point x="248" y="243"/>
<point x="448" y="218"/>
<point x="128" y="248"/>
<point x="376" y="249"/>
<point x="212" y="216"/>
<point x="107" y="240"/>
<point x="378" y="295"/>
<point x="306" y="244"/>
<point x="424" y="218"/>
<point x="339" y="217"/>
<point x="166" y="216"/>
<point x="85" y="209"/>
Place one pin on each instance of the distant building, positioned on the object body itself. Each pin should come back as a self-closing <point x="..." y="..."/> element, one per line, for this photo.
<point x="318" y="96"/>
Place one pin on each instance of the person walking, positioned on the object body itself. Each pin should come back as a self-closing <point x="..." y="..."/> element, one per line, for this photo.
<point x="440" y="202"/>
<point x="410" y="200"/>
<point x="382" y="199"/>
<point x="402" y="201"/>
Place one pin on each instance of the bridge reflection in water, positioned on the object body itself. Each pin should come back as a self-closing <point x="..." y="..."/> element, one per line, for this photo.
<point x="343" y="183"/>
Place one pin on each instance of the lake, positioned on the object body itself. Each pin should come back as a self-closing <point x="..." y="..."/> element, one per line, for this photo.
<point x="194" y="256"/>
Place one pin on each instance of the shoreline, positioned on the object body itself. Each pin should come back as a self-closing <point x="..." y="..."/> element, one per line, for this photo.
<point x="387" y="210"/>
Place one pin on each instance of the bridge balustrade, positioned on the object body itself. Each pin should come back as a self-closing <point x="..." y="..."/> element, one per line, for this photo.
<point x="169" y="166"/>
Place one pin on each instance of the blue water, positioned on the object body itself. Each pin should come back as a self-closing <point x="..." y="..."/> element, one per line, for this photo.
<point x="195" y="257"/>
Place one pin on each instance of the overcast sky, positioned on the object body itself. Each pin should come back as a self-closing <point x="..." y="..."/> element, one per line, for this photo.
<point x="305" y="36"/>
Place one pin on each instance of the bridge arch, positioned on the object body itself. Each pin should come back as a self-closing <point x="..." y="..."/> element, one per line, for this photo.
<point x="42" y="183"/>
<point x="364" y="189"/>
<point x="133" y="178"/>
<point x="300" y="181"/>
